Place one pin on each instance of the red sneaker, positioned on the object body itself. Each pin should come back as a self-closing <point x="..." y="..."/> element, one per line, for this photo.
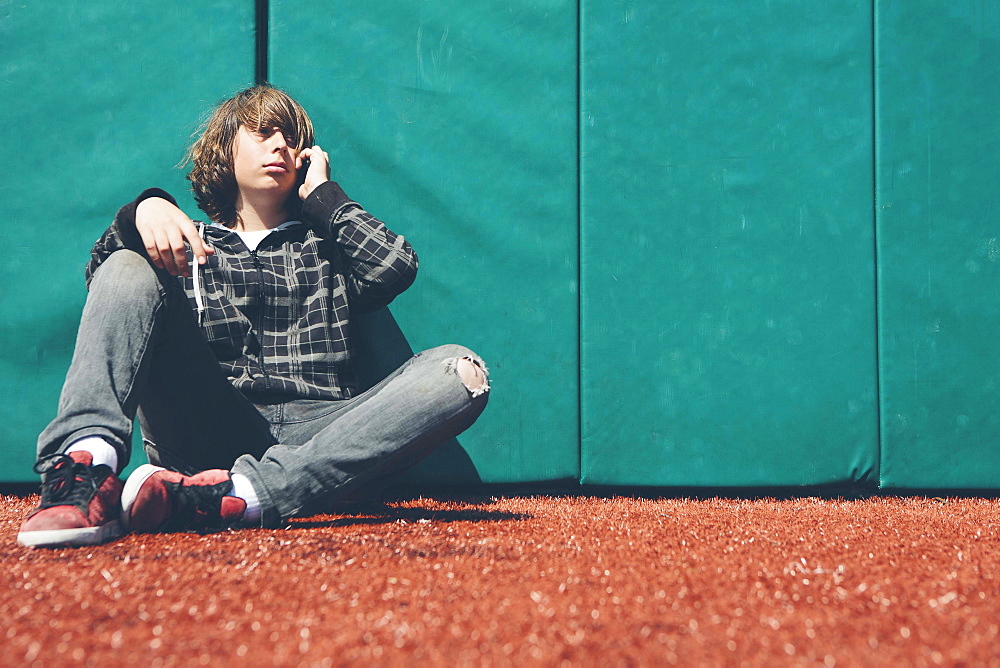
<point x="80" y="504"/>
<point x="156" y="499"/>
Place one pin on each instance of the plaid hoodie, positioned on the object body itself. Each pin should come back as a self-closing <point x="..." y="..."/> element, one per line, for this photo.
<point x="278" y="318"/>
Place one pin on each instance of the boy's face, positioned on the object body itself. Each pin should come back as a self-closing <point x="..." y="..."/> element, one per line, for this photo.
<point x="263" y="162"/>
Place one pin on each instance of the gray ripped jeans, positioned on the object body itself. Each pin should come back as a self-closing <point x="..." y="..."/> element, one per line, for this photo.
<point x="139" y="350"/>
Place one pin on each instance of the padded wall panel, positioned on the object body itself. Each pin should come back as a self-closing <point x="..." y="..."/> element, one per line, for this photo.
<point x="99" y="100"/>
<point x="728" y="304"/>
<point x="455" y="123"/>
<point x="939" y="242"/>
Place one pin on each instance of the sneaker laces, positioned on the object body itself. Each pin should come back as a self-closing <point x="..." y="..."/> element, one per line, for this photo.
<point x="64" y="481"/>
<point x="199" y="506"/>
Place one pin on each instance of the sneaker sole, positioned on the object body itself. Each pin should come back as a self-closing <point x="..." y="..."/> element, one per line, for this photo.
<point x="71" y="537"/>
<point x="131" y="490"/>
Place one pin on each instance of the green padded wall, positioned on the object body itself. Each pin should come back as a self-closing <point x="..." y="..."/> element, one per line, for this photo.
<point x="939" y="242"/>
<point x="100" y="98"/>
<point x="728" y="333"/>
<point x="727" y="211"/>
<point x="455" y="123"/>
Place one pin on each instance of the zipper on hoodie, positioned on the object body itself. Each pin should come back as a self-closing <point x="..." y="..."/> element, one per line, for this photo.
<point x="260" y="317"/>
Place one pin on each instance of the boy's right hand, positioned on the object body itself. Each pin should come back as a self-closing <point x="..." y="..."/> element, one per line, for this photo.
<point x="164" y="229"/>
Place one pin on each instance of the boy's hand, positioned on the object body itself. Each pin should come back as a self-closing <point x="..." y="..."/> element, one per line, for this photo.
<point x="164" y="228"/>
<point x="318" y="172"/>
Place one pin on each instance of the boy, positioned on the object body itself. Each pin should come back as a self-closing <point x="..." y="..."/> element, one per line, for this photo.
<point x="232" y="342"/>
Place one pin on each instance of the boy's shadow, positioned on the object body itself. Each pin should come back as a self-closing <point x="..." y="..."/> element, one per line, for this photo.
<point x="380" y="349"/>
<point x="383" y="514"/>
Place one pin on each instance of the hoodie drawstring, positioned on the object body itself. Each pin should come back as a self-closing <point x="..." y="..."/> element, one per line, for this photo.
<point x="197" y="280"/>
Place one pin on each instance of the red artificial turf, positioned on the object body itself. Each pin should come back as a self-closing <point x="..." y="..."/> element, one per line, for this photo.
<point x="538" y="579"/>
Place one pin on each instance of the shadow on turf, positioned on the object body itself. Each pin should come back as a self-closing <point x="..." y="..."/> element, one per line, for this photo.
<point x="376" y="515"/>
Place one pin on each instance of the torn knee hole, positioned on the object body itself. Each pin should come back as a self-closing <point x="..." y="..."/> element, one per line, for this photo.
<point x="473" y="375"/>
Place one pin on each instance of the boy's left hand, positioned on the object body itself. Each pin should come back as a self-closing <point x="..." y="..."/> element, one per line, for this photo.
<point x="318" y="172"/>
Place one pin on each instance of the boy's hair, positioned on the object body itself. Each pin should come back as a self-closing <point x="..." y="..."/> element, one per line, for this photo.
<point x="211" y="155"/>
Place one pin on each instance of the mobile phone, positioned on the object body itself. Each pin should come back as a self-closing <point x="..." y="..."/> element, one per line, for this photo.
<point x="302" y="171"/>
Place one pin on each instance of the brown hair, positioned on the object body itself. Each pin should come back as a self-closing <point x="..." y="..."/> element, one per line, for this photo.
<point x="211" y="155"/>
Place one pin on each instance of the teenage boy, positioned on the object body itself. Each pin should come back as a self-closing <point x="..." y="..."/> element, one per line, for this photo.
<point x="232" y="342"/>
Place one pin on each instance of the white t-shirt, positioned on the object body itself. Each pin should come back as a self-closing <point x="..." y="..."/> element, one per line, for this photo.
<point x="253" y="238"/>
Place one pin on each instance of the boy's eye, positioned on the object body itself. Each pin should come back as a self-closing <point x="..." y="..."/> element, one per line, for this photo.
<point x="265" y="133"/>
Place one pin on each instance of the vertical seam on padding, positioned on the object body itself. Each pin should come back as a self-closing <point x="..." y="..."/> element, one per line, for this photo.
<point x="876" y="223"/>
<point x="579" y="240"/>
<point x="261" y="19"/>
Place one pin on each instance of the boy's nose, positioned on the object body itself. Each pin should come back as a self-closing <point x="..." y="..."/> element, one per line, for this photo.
<point x="278" y="141"/>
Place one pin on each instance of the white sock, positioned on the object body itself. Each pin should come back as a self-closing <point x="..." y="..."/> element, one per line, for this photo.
<point x="243" y="489"/>
<point x="102" y="451"/>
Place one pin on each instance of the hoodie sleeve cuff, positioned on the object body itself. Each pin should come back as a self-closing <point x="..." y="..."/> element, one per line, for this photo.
<point x="324" y="205"/>
<point x="125" y="219"/>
